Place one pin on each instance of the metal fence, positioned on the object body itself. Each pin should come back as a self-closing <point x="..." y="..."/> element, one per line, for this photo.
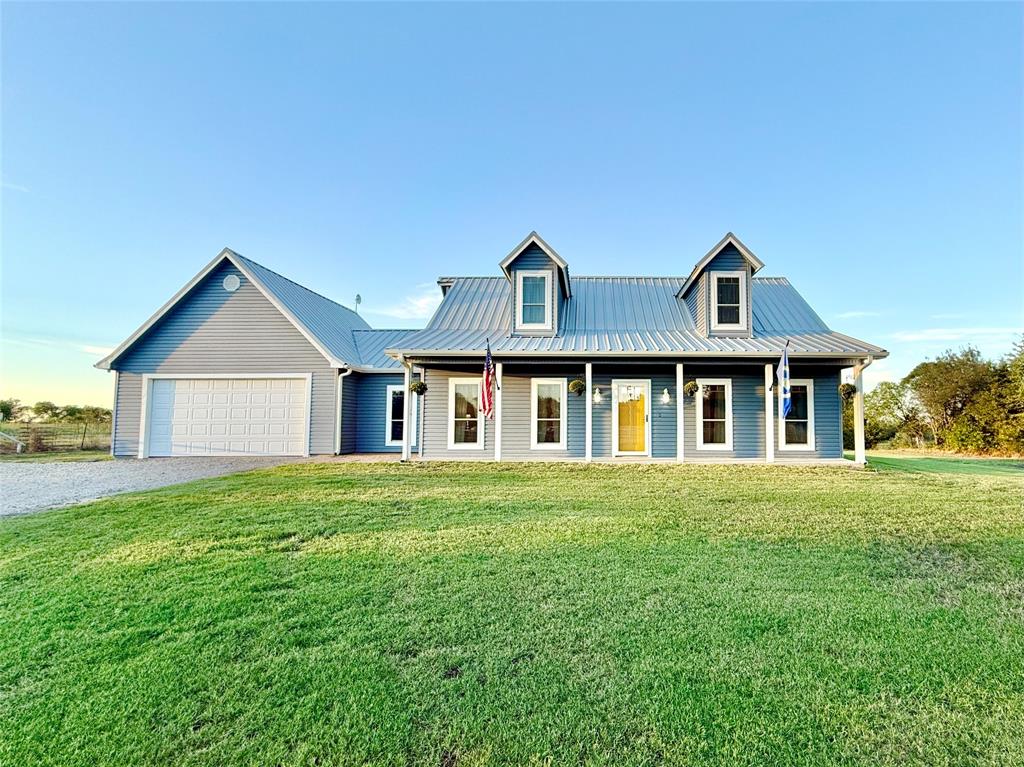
<point x="46" y="437"/>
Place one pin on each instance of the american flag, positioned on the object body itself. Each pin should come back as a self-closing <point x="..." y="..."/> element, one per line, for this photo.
<point x="783" y="376"/>
<point x="488" y="394"/>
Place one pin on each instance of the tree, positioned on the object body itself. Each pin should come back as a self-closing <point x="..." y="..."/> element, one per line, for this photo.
<point x="47" y="411"/>
<point x="10" y="409"/>
<point x="946" y="386"/>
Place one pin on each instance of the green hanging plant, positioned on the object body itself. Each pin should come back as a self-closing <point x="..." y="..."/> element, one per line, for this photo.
<point x="691" y="388"/>
<point x="418" y="387"/>
<point x="577" y="386"/>
<point x="847" y="391"/>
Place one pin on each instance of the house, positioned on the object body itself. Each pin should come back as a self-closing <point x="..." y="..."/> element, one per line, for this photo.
<point x="244" y="361"/>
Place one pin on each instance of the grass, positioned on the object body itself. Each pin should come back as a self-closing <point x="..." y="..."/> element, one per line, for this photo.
<point x="443" y="615"/>
<point x="57" y="457"/>
<point x="946" y="464"/>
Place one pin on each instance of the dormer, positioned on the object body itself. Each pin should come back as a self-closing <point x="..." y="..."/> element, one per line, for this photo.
<point x="718" y="292"/>
<point x="539" y="278"/>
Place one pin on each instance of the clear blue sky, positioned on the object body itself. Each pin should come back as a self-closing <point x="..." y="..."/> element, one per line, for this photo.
<point x="872" y="153"/>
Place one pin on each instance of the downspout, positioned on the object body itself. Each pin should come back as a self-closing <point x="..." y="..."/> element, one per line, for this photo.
<point x="341" y="392"/>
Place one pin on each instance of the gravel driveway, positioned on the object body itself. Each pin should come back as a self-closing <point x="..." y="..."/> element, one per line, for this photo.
<point x="26" y="487"/>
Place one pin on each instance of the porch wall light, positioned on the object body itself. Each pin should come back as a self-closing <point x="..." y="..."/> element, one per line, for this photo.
<point x="597" y="395"/>
<point x="665" y="397"/>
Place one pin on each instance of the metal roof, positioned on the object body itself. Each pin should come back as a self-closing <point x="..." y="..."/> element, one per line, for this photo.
<point x="372" y="343"/>
<point x="625" y="315"/>
<point x="331" y="323"/>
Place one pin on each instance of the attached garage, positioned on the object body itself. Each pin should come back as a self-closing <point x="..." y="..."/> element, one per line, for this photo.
<point x="225" y="415"/>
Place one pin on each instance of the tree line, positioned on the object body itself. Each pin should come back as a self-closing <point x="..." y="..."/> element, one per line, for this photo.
<point x="959" y="402"/>
<point x="48" y="412"/>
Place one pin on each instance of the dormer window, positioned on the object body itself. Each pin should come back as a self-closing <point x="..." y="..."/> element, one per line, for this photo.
<point x="728" y="300"/>
<point x="533" y="300"/>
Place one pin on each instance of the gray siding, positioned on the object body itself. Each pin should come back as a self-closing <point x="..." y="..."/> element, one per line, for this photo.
<point x="213" y="331"/>
<point x="535" y="259"/>
<point x="516" y="425"/>
<point x="663" y="417"/>
<point x="747" y="413"/>
<point x="349" y="412"/>
<point x="435" y="420"/>
<point x="729" y="260"/>
<point x="371" y="416"/>
<point x="828" y="417"/>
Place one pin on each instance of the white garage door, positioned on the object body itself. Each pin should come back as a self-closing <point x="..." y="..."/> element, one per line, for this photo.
<point x="228" y="416"/>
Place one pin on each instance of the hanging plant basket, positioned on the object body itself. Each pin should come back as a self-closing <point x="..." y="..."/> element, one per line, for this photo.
<point x="691" y="388"/>
<point x="418" y="387"/>
<point x="577" y="386"/>
<point x="847" y="391"/>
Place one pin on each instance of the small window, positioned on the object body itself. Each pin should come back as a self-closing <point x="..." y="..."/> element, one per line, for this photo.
<point x="394" y="417"/>
<point x="547" y="413"/>
<point x="533" y="299"/>
<point x="796" y="431"/>
<point x="714" y="414"/>
<point x="465" y="422"/>
<point x="729" y="301"/>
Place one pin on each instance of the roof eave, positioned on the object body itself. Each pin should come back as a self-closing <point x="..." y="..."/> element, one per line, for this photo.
<point x="535" y="239"/>
<point x="107" y="362"/>
<point x="756" y="263"/>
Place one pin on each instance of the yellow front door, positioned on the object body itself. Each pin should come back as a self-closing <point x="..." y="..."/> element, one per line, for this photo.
<point x="632" y="418"/>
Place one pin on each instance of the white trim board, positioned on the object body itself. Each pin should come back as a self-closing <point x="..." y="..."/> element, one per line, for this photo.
<point x="236" y="261"/>
<point x="387" y="416"/>
<point x="808" y="446"/>
<point x="546" y="275"/>
<point x="699" y="420"/>
<point x="479" y="444"/>
<point x="646" y="383"/>
<point x="145" y="405"/>
<point x="727" y="326"/>
<point x="562" y="407"/>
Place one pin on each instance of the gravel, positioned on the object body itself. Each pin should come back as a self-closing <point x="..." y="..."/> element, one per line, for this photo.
<point x="28" y="487"/>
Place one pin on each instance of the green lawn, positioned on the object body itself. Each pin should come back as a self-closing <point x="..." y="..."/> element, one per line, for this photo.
<point x="945" y="464"/>
<point x="58" y="457"/>
<point x="443" y="615"/>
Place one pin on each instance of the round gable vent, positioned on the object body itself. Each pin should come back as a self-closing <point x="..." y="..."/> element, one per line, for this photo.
<point x="231" y="283"/>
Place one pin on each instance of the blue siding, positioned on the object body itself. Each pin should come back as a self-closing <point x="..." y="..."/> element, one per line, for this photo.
<point x="828" y="416"/>
<point x="728" y="260"/>
<point x="663" y="417"/>
<point x="349" y="412"/>
<point x="533" y="258"/>
<point x="516" y="423"/>
<point x="370" y="411"/>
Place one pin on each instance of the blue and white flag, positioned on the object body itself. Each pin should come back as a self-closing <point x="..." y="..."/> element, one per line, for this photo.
<point x="783" y="376"/>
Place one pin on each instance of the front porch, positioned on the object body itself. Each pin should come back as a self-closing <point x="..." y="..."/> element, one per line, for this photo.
<point x="632" y="411"/>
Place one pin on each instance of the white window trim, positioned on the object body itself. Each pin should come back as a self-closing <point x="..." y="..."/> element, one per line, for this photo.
<point x="809" y="445"/>
<point x="387" y="416"/>
<point x="563" y="405"/>
<point x="147" y="384"/>
<point x="742" y="324"/>
<point x="646" y="383"/>
<point x="546" y="325"/>
<point x="699" y="408"/>
<point x="452" y="444"/>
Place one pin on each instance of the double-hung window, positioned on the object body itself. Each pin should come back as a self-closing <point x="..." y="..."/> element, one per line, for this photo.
<point x="796" y="431"/>
<point x="533" y="300"/>
<point x="394" y="416"/>
<point x="728" y="300"/>
<point x="714" y="414"/>
<point x="465" y="421"/>
<point x="547" y="413"/>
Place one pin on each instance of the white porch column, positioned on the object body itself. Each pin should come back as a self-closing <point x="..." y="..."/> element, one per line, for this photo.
<point x="407" y="425"/>
<point x="859" y="456"/>
<point x="769" y="416"/>
<point x="589" y="394"/>
<point x="680" y="411"/>
<point x="497" y="411"/>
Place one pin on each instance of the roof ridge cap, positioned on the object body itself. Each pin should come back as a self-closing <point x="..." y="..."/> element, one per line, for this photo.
<point x="298" y="284"/>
